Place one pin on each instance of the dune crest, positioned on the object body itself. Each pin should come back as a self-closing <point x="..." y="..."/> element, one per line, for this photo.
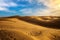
<point x="28" y="28"/>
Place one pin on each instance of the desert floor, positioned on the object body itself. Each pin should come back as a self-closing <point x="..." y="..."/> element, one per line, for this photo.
<point x="16" y="29"/>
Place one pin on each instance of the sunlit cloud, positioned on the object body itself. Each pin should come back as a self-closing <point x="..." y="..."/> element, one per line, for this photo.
<point x="53" y="7"/>
<point x="31" y="7"/>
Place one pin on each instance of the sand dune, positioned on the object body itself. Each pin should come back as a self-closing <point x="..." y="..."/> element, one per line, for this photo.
<point x="29" y="28"/>
<point x="46" y="21"/>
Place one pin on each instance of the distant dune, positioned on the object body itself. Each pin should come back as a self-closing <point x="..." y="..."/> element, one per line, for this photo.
<point x="46" y="21"/>
<point x="30" y="28"/>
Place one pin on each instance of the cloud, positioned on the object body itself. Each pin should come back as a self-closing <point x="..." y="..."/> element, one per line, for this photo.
<point x="12" y="4"/>
<point x="34" y="12"/>
<point x="26" y="11"/>
<point x="4" y="4"/>
<point x="52" y="9"/>
<point x="53" y="6"/>
<point x="39" y="9"/>
<point x="34" y="7"/>
<point x="2" y="9"/>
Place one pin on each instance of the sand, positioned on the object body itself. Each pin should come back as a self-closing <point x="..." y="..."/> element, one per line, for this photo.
<point x="14" y="28"/>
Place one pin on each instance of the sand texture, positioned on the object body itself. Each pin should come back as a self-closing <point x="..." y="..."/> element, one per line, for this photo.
<point x="29" y="28"/>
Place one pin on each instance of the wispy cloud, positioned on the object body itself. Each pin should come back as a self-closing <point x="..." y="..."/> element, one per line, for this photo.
<point x="4" y="4"/>
<point x="2" y="8"/>
<point x="31" y="7"/>
<point x="39" y="11"/>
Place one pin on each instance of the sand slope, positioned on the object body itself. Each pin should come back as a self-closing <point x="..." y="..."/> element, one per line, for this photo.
<point x="26" y="30"/>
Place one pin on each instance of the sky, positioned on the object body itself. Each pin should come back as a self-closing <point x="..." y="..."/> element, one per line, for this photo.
<point x="30" y="7"/>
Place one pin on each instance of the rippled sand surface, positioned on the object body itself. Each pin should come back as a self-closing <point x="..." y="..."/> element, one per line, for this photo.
<point x="29" y="28"/>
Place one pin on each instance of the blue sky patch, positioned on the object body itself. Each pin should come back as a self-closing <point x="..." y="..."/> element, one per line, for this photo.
<point x="21" y="7"/>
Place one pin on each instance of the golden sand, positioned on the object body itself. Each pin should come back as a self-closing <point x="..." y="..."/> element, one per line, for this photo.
<point x="13" y="28"/>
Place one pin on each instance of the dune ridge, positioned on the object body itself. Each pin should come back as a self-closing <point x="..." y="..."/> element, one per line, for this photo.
<point x="29" y="30"/>
<point x="46" y="21"/>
